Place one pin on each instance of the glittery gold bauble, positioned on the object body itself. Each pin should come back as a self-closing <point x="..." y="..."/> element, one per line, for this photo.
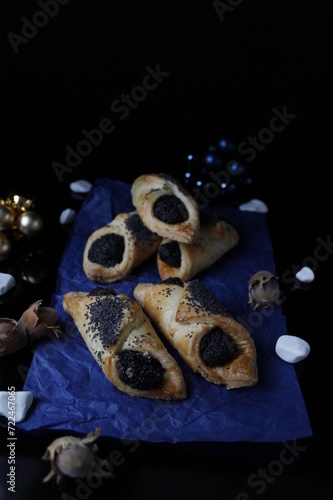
<point x="30" y="223"/>
<point x="19" y="203"/>
<point x="5" y="247"/>
<point x="7" y="217"/>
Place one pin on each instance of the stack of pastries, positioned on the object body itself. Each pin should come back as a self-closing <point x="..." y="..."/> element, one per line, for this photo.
<point x="165" y="221"/>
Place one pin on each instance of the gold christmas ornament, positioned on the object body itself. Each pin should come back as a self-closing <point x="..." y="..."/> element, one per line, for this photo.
<point x="7" y="217"/>
<point x="29" y="223"/>
<point x="18" y="203"/>
<point x="17" y="216"/>
<point x="74" y="457"/>
<point x="5" y="247"/>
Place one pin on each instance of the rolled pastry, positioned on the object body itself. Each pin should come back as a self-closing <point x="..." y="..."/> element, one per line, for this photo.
<point x="114" y="250"/>
<point x="125" y="345"/>
<point x="182" y="260"/>
<point x="165" y="207"/>
<point x="209" y="340"/>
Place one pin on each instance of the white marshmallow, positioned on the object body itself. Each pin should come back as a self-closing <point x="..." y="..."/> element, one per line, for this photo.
<point x="80" y="186"/>
<point x="7" y="281"/>
<point x="17" y="405"/>
<point x="67" y="216"/>
<point x="254" y="206"/>
<point x="292" y="349"/>
<point x="306" y="275"/>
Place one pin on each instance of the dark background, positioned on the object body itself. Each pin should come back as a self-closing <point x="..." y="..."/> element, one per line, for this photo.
<point x="225" y="78"/>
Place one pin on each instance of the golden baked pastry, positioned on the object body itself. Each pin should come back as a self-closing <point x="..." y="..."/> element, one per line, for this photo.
<point x="165" y="207"/>
<point x="203" y="332"/>
<point x="124" y="343"/>
<point x="184" y="261"/>
<point x="114" y="250"/>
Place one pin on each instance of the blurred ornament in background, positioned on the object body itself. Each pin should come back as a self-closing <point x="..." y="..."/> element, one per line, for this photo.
<point x="219" y="175"/>
<point x="17" y="220"/>
<point x="29" y="223"/>
<point x="7" y="217"/>
<point x="18" y="202"/>
<point x="5" y="247"/>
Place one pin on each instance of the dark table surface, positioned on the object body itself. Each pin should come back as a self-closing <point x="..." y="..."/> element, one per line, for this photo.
<point x="227" y="71"/>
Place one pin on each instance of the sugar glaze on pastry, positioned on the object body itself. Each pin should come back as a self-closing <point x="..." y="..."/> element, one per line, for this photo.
<point x="206" y="336"/>
<point x="124" y="344"/>
<point x="166" y="207"/>
<point x="114" y="250"/>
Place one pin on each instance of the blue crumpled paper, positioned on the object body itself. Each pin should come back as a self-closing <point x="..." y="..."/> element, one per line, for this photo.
<point x="72" y="394"/>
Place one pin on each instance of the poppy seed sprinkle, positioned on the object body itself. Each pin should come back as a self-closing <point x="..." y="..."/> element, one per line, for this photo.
<point x="106" y="317"/>
<point x="198" y="295"/>
<point x="140" y="232"/>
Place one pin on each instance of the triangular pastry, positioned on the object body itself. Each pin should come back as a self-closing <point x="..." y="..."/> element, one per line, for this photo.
<point x="184" y="261"/>
<point x="203" y="332"/>
<point x="166" y="207"/>
<point x="114" y="250"/>
<point x="124" y="343"/>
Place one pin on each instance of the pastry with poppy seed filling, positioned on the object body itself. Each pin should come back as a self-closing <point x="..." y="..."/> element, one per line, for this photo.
<point x="184" y="261"/>
<point x="166" y="207"/>
<point x="114" y="250"/>
<point x="206" y="336"/>
<point x="124" y="343"/>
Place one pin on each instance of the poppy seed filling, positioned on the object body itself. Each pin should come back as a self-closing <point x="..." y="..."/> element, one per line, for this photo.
<point x="139" y="370"/>
<point x="170" y="209"/>
<point x="173" y="281"/>
<point x="108" y="250"/>
<point x="99" y="290"/>
<point x="170" y="254"/>
<point x="217" y="348"/>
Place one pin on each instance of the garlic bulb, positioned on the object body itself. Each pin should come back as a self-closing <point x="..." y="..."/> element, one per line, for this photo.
<point x="35" y="322"/>
<point x="264" y="290"/>
<point x="13" y="336"/>
<point x="74" y="457"/>
<point x="75" y="460"/>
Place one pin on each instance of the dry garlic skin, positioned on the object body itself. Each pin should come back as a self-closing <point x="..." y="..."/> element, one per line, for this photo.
<point x="74" y="457"/>
<point x="264" y="290"/>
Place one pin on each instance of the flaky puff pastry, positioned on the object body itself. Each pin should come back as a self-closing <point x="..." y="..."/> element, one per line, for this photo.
<point x="184" y="261"/>
<point x="114" y="250"/>
<point x="147" y="192"/>
<point x="125" y="345"/>
<point x="186" y="314"/>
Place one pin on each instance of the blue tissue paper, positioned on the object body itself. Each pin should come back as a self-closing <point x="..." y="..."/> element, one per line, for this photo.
<point x="72" y="394"/>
